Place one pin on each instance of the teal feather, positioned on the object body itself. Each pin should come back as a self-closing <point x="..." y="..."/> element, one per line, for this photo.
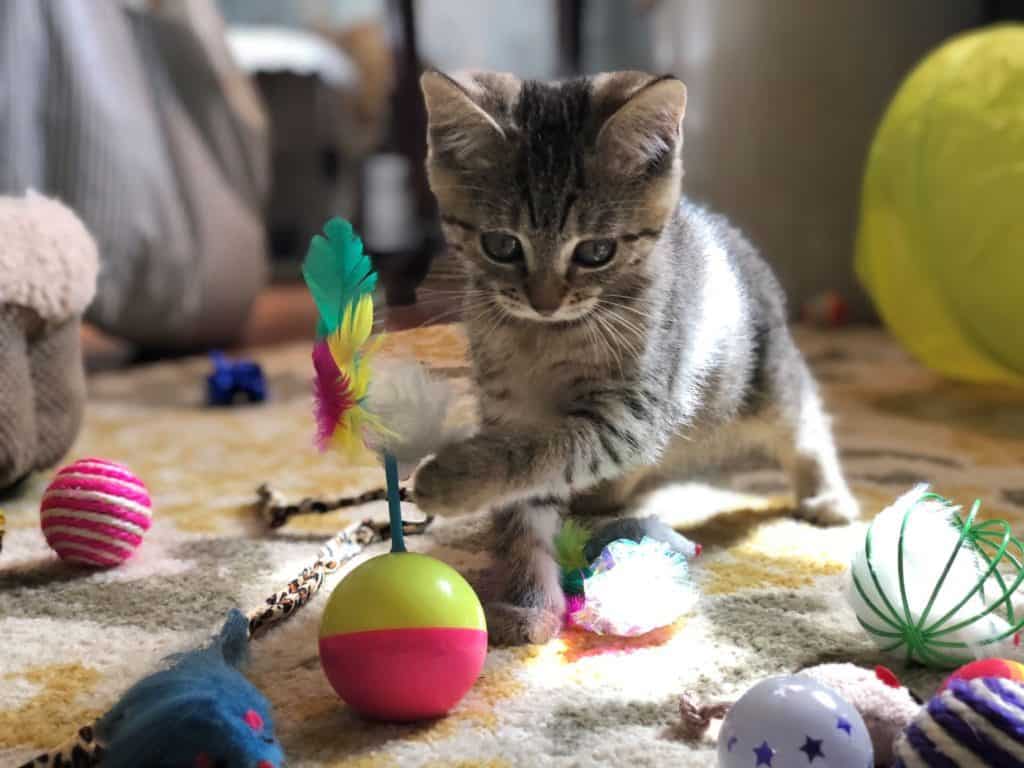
<point x="337" y="272"/>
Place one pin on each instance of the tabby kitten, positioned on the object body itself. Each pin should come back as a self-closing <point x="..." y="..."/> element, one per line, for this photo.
<point x="614" y="326"/>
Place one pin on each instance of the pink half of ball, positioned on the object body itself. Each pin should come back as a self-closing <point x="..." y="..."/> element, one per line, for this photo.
<point x="95" y="512"/>
<point x="404" y="675"/>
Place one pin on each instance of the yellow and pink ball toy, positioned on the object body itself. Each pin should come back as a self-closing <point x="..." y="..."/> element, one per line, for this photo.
<point x="403" y="638"/>
<point x="403" y="635"/>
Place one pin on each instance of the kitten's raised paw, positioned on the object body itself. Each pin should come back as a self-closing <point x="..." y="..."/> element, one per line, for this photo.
<point x="509" y="624"/>
<point x="446" y="489"/>
<point x="830" y="508"/>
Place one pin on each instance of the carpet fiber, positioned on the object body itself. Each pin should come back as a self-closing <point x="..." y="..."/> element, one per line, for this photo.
<point x="73" y="640"/>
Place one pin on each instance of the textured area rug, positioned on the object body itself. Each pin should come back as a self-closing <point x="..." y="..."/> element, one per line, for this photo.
<point x="770" y="587"/>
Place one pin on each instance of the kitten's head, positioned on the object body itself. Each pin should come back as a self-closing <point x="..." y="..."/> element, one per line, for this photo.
<point x="554" y="194"/>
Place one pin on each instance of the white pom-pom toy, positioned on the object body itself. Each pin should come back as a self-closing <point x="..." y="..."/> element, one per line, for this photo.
<point x="412" y="405"/>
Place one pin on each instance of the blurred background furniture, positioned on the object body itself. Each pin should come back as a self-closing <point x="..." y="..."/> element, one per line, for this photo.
<point x="784" y="98"/>
<point x="341" y="85"/>
<point x="135" y="116"/>
<point x="309" y="88"/>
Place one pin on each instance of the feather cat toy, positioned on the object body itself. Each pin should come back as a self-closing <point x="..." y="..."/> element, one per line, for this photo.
<point x="341" y="279"/>
<point x="402" y="420"/>
<point x="201" y="712"/>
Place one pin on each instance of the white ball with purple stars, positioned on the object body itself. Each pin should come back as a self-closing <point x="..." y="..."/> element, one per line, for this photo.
<point x="793" y="721"/>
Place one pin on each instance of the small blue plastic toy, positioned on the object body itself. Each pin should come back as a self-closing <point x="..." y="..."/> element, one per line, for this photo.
<point x="235" y="380"/>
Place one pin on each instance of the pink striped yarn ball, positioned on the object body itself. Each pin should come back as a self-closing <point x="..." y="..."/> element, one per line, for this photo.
<point x="95" y="513"/>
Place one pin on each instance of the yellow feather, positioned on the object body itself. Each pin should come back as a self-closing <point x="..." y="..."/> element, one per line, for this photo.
<point x="353" y="350"/>
<point x="362" y="319"/>
<point x="353" y="331"/>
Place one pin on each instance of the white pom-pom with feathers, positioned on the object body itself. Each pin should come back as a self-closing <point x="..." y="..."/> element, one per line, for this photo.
<point x="412" y="406"/>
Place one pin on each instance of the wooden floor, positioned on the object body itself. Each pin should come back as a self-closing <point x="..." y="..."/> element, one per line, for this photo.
<point x="285" y="313"/>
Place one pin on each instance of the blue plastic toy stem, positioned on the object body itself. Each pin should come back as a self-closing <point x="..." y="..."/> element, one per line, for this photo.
<point x="394" y="503"/>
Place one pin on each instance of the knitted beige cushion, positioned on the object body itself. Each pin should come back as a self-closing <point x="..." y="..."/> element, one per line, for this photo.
<point x="48" y="267"/>
<point x="48" y="260"/>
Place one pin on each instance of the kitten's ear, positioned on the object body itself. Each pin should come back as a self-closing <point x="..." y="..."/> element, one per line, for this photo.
<point x="460" y="133"/>
<point x="646" y="132"/>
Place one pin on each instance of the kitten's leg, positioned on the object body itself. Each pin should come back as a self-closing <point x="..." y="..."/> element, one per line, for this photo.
<point x="532" y="602"/>
<point x="609" y="497"/>
<point x="530" y="475"/>
<point x="807" y="450"/>
<point x="600" y="439"/>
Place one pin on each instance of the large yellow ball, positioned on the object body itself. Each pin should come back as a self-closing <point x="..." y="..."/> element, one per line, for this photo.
<point x="941" y="240"/>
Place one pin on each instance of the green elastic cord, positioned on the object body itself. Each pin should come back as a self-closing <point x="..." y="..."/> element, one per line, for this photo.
<point x="1006" y="592"/>
<point x="394" y="504"/>
<point x="994" y="542"/>
<point x="982" y="539"/>
<point x="964" y="529"/>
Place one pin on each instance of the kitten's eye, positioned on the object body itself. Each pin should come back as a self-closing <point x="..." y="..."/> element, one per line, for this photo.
<point x="594" y="253"/>
<point x="502" y="247"/>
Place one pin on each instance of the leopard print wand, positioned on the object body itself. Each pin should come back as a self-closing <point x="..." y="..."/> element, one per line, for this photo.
<point x="332" y="555"/>
<point x="81" y="751"/>
<point x="276" y="512"/>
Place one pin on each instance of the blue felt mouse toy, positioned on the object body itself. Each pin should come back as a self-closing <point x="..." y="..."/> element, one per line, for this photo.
<point x="200" y="712"/>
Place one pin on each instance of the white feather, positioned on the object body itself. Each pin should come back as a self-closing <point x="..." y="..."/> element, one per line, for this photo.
<point x="929" y="539"/>
<point x="412" y="404"/>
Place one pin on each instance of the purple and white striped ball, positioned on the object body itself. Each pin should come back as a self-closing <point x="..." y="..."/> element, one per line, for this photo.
<point x="95" y="512"/>
<point x="972" y="723"/>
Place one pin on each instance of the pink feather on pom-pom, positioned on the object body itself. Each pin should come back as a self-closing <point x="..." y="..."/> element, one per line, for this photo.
<point x="332" y="394"/>
<point x="573" y="605"/>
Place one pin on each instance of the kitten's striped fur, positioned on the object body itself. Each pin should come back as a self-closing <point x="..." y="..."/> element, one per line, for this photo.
<point x="591" y="379"/>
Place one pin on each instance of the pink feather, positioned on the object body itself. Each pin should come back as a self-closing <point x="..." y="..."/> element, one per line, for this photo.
<point x="332" y="395"/>
<point x="573" y="605"/>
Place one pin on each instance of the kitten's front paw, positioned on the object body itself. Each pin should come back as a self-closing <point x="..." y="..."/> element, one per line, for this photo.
<point x="509" y="624"/>
<point x="829" y="508"/>
<point x="449" y="484"/>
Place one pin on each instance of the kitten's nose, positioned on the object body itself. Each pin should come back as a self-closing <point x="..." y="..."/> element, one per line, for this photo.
<point x="545" y="294"/>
